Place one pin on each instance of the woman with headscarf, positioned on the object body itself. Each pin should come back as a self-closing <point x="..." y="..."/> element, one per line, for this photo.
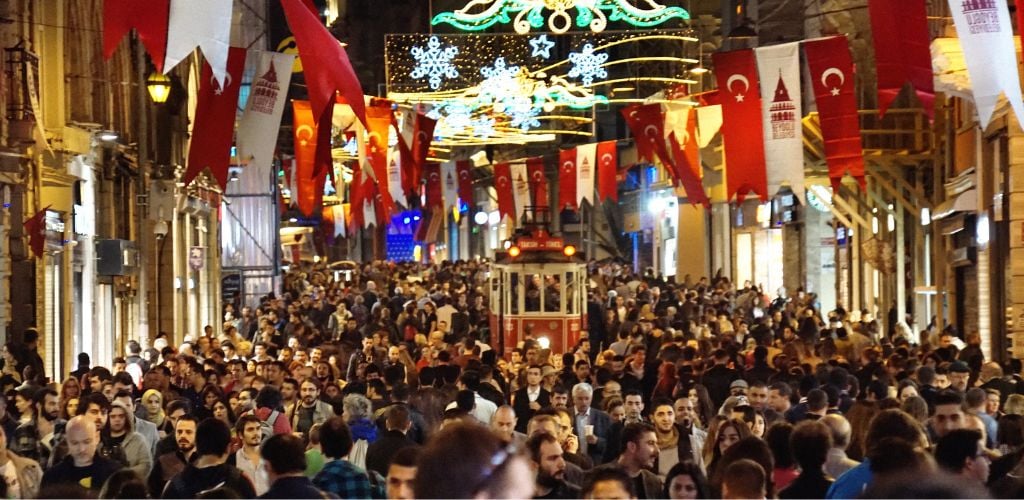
<point x="153" y="409"/>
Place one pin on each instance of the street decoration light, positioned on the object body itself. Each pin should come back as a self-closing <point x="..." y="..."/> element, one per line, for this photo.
<point x="529" y="14"/>
<point x="159" y="87"/>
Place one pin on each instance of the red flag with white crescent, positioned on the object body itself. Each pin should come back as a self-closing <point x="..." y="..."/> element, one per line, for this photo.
<point x="378" y="118"/>
<point x="214" y="125"/>
<point x="567" y="179"/>
<point x="423" y="133"/>
<point x="607" y="171"/>
<point x="691" y="181"/>
<point x="647" y="122"/>
<point x="831" y="68"/>
<point x="902" y="41"/>
<point x="464" y="170"/>
<point x="149" y="18"/>
<point x="503" y="186"/>
<point x="741" y="128"/>
<point x="432" y="174"/>
<point x="304" y="133"/>
<point x="538" y="183"/>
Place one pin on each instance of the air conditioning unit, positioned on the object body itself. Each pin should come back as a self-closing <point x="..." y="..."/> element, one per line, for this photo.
<point x="116" y="258"/>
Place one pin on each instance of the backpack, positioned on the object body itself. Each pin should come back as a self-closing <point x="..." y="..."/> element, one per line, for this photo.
<point x="267" y="426"/>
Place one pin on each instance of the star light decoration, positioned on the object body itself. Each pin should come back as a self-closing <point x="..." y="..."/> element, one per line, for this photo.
<point x="479" y="15"/>
<point x="586" y="65"/>
<point x="434" y="62"/>
<point x="542" y="47"/>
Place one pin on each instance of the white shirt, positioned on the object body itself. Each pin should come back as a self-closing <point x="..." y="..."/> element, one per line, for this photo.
<point x="254" y="471"/>
<point x="532" y="393"/>
<point x="11" y="477"/>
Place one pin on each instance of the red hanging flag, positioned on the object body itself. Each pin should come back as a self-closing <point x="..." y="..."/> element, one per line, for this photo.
<point x="324" y="60"/>
<point x="214" y="126"/>
<point x="378" y="118"/>
<point x="567" y="179"/>
<point x="741" y="124"/>
<point x="899" y="29"/>
<point x="607" y="171"/>
<point x="538" y="183"/>
<point x="464" y="170"/>
<point x="409" y="182"/>
<point x="690" y="181"/>
<point x="304" y="131"/>
<point x="503" y="186"/>
<point x="831" y="69"/>
<point x="35" y="226"/>
<point x="357" y="195"/>
<point x="149" y="18"/>
<point x="432" y="174"/>
<point x="647" y="122"/>
<point x="423" y="133"/>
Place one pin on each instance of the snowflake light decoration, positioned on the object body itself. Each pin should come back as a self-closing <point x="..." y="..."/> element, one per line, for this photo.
<point x="434" y="62"/>
<point x="586" y="65"/>
<point x="483" y="127"/>
<point x="500" y="80"/>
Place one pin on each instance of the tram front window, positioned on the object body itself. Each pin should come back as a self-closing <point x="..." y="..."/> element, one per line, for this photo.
<point x="552" y="293"/>
<point x="533" y="294"/>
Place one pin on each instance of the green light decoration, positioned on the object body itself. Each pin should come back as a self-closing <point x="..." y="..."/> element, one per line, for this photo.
<point x="529" y="14"/>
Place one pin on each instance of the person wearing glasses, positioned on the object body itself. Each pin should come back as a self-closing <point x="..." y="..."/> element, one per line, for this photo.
<point x="962" y="452"/>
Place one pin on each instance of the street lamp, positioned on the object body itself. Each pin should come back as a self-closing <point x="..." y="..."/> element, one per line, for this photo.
<point x="159" y="87"/>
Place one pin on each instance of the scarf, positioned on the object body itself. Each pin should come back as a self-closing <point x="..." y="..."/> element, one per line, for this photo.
<point x="363" y="429"/>
<point x="668" y="440"/>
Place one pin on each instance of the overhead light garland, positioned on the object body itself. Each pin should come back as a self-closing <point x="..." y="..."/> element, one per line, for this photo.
<point x="529" y="14"/>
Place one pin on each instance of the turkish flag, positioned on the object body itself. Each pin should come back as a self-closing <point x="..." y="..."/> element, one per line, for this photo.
<point x="685" y="157"/>
<point x="214" y="126"/>
<point x="567" y="179"/>
<point x="831" y="69"/>
<point x="378" y="118"/>
<point x="35" y="226"/>
<point x="149" y="18"/>
<point x="304" y="132"/>
<point x="741" y="124"/>
<point x="607" y="171"/>
<point x="324" y="60"/>
<point x="432" y="174"/>
<point x="538" y="183"/>
<point x="409" y="179"/>
<point x="899" y="29"/>
<point x="464" y="171"/>
<point x="423" y="133"/>
<point x="357" y="195"/>
<point x="647" y="122"/>
<point x="503" y="185"/>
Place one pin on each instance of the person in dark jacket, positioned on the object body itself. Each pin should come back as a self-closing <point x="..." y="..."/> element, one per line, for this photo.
<point x="379" y="454"/>
<point x="529" y="399"/>
<point x="210" y="470"/>
<point x="809" y="443"/>
<point x="285" y="455"/>
<point x="82" y="466"/>
<point x="719" y="378"/>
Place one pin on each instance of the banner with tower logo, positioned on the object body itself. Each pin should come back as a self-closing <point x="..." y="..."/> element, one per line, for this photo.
<point x="261" y="121"/>
<point x="778" y="68"/>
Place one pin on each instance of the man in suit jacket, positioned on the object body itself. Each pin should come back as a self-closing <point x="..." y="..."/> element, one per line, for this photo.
<point x="594" y="443"/>
<point x="529" y="399"/>
<point x="379" y="454"/>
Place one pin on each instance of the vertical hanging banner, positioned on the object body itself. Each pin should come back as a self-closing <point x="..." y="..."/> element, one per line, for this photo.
<point x="423" y="134"/>
<point x="449" y="186"/>
<point x="150" y="22"/>
<point x="304" y="132"/>
<point x="607" y="171"/>
<point x="214" y="125"/>
<point x="338" y="214"/>
<point x="647" y="122"/>
<point x="520" y="187"/>
<point x="378" y="124"/>
<point x="778" y="68"/>
<point x="831" y="69"/>
<point x="567" y="179"/>
<point x="741" y="110"/>
<point x="986" y="36"/>
<point x="358" y="186"/>
<point x="538" y="183"/>
<point x="464" y="171"/>
<point x="261" y="121"/>
<point x="432" y="175"/>
<point x="686" y="156"/>
<point x="395" y="179"/>
<point x="203" y="24"/>
<point x="505" y="191"/>
<point x="586" y="163"/>
<point x="325" y="63"/>
<point x="899" y="30"/>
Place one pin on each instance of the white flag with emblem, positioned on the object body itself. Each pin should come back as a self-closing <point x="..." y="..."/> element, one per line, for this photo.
<point x="261" y="121"/>
<point x="395" y="178"/>
<point x="202" y="23"/>
<point x="778" y="68"/>
<point x="986" y="36"/>
<point x="449" y="185"/>
<point x="586" y="163"/>
<point x="520" y="187"/>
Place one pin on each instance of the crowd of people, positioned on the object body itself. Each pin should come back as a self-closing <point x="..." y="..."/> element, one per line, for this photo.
<point x="388" y="383"/>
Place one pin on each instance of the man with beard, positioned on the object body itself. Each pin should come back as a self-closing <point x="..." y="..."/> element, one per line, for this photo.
<point x="639" y="452"/>
<point x="248" y="459"/>
<point x="118" y="439"/>
<point x="209" y="470"/>
<point x="144" y="427"/>
<point x="171" y="463"/>
<point x="309" y="411"/>
<point x="51" y="426"/>
<point x="549" y="466"/>
<point x="691" y="437"/>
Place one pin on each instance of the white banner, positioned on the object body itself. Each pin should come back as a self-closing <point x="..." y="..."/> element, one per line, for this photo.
<point x="261" y="121"/>
<point x="338" y="212"/>
<point x="202" y="23"/>
<point x="778" y="68"/>
<point x="986" y="36"/>
<point x="586" y="162"/>
<point x="449" y="185"/>
<point x="395" y="178"/>
<point x="520" y="188"/>
<point x="709" y="121"/>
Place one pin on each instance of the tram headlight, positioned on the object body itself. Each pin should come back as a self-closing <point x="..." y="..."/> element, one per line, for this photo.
<point x="514" y="251"/>
<point x="544" y="343"/>
<point x="569" y="250"/>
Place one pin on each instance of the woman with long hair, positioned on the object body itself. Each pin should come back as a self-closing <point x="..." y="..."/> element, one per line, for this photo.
<point x="702" y="402"/>
<point x="13" y="356"/>
<point x="685" y="480"/>
<point x="68" y="408"/>
<point x="70" y="388"/>
<point x="208" y="397"/>
<point x="222" y="411"/>
<point x="720" y="438"/>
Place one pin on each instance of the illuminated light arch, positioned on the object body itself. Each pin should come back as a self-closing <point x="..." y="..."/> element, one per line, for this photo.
<point x="594" y="15"/>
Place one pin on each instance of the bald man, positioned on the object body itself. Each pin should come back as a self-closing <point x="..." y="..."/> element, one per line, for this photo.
<point x="82" y="466"/>
<point x="503" y="423"/>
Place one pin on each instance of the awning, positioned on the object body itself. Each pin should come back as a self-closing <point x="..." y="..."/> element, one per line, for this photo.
<point x="966" y="201"/>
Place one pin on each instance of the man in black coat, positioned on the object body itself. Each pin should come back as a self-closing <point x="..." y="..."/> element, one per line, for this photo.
<point x="378" y="455"/>
<point x="285" y="456"/>
<point x="719" y="378"/>
<point x="529" y="399"/>
<point x="210" y="470"/>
